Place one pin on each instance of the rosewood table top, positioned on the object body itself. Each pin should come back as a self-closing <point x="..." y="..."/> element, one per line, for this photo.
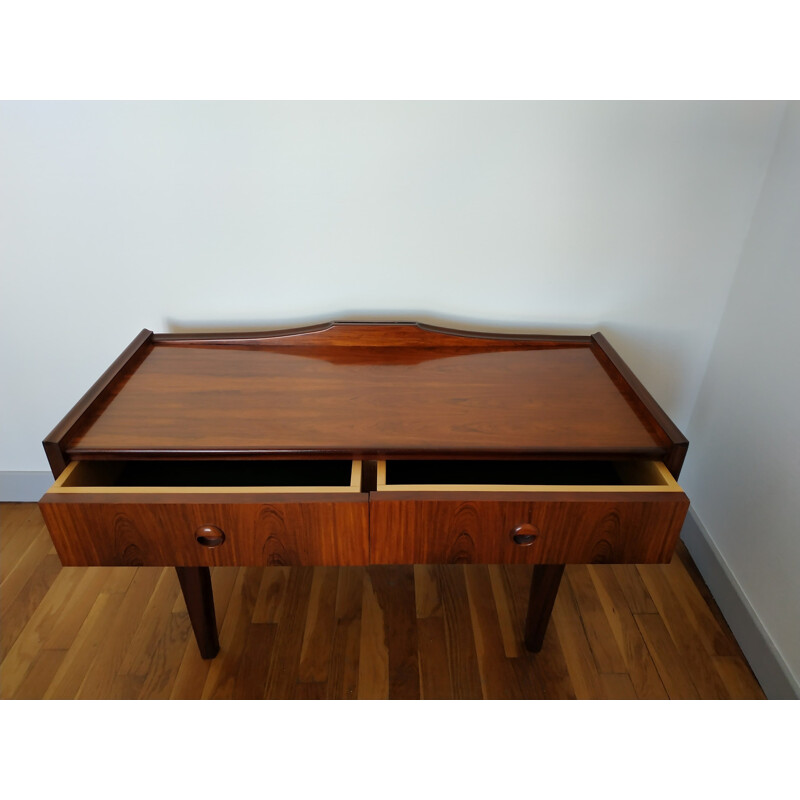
<point x="364" y="390"/>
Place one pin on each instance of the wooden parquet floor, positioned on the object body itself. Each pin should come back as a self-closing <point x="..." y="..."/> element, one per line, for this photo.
<point x="617" y="632"/>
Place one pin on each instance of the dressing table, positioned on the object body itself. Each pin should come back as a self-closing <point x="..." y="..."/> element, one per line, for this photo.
<point x="364" y="443"/>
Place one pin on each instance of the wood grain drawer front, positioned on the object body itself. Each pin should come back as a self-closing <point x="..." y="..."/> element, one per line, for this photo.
<point x="635" y="519"/>
<point x="105" y="515"/>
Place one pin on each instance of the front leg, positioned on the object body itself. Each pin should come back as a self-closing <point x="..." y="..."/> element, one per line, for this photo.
<point x="196" y="587"/>
<point x="544" y="588"/>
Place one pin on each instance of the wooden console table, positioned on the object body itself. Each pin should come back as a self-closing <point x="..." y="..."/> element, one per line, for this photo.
<point x="364" y="443"/>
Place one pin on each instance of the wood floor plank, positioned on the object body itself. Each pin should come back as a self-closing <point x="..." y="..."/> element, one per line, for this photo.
<point x="434" y="669"/>
<point x="373" y="654"/>
<point x="12" y="516"/>
<point x="14" y="513"/>
<point x="169" y="644"/>
<point x="309" y="691"/>
<point x="426" y="588"/>
<point x="39" y="677"/>
<point x="250" y="679"/>
<point x="193" y="670"/>
<point x="320" y="627"/>
<point x="288" y="643"/>
<point x="459" y="638"/>
<point x="549" y="674"/>
<point x="682" y="554"/>
<point x="18" y="527"/>
<point x="716" y="638"/>
<point x="498" y="677"/>
<point x="15" y="553"/>
<point x="233" y="637"/>
<point x="577" y="652"/>
<point x="153" y="654"/>
<point x="596" y="625"/>
<point x="74" y="611"/>
<point x="342" y="681"/>
<point x="349" y="593"/>
<point x="140" y="651"/>
<point x="92" y="636"/>
<point x="617" y="687"/>
<point x="77" y="660"/>
<point x="19" y="572"/>
<point x="16" y="612"/>
<point x="343" y="671"/>
<point x="639" y="663"/>
<point x="668" y="661"/>
<point x="239" y="671"/>
<point x="269" y="603"/>
<point x="54" y="622"/>
<point x="119" y="579"/>
<point x="505" y="614"/>
<point x="632" y="585"/>
<point x="394" y="591"/>
<point x="103" y="673"/>
<point x="157" y="647"/>
<point x="738" y="678"/>
<point x="681" y="630"/>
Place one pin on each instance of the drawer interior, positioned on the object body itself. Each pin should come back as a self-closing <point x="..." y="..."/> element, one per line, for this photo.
<point x="275" y="475"/>
<point x="524" y="475"/>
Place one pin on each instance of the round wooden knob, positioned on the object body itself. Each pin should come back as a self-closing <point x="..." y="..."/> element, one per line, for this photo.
<point x="525" y="534"/>
<point x="209" y="536"/>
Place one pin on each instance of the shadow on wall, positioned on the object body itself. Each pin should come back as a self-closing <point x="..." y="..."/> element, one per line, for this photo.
<point x="349" y="315"/>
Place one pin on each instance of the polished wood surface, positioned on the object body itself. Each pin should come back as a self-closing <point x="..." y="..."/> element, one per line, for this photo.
<point x="568" y="531"/>
<point x="445" y="632"/>
<point x="363" y="389"/>
<point x="156" y="532"/>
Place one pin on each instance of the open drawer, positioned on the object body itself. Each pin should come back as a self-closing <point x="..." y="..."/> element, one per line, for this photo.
<point x="207" y="513"/>
<point x="535" y="512"/>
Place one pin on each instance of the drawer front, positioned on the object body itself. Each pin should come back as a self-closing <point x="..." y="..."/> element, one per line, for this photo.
<point x="553" y="531"/>
<point x="164" y="533"/>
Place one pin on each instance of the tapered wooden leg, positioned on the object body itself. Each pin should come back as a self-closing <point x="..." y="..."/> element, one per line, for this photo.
<point x="544" y="588"/>
<point x="196" y="587"/>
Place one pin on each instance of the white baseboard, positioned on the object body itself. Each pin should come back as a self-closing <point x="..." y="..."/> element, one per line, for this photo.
<point x="24" y="487"/>
<point x="760" y="650"/>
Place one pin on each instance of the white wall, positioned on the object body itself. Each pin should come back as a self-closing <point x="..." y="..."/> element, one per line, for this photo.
<point x="625" y="217"/>
<point x="743" y="473"/>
